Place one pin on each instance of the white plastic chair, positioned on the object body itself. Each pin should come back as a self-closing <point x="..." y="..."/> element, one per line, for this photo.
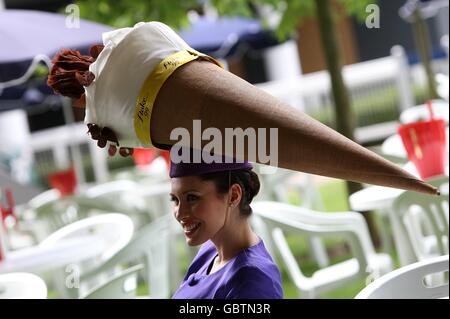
<point x="108" y="188"/>
<point x="22" y="286"/>
<point x="33" y="214"/>
<point x="120" y="286"/>
<point x="157" y="198"/>
<point x="423" y="223"/>
<point x="141" y="202"/>
<point x="48" y="212"/>
<point x="159" y="205"/>
<point x="409" y="282"/>
<point x="44" y="198"/>
<point x="149" y="246"/>
<point x="115" y="230"/>
<point x="119" y="196"/>
<point x="281" y="218"/>
<point x="276" y="187"/>
<point x="271" y="185"/>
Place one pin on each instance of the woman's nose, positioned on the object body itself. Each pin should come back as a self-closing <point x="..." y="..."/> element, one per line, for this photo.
<point x="181" y="211"/>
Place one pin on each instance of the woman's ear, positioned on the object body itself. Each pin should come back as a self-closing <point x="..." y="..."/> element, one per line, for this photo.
<point x="236" y="195"/>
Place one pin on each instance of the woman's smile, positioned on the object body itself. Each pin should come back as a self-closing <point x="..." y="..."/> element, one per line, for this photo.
<point x="190" y="228"/>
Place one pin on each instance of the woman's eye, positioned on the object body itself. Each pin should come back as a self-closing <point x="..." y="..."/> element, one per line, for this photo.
<point x="191" y="197"/>
<point x="174" y="200"/>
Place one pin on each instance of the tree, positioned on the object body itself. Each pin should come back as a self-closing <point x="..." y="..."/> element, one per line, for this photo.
<point x="416" y="12"/>
<point x="122" y="13"/>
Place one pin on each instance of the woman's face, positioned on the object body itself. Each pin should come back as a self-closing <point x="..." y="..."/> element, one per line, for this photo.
<point x="198" y="207"/>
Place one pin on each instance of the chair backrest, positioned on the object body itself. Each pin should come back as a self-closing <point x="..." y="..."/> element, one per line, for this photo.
<point x="53" y="210"/>
<point x="287" y="186"/>
<point x="108" y="188"/>
<point x="44" y="198"/>
<point x="22" y="286"/>
<point x="309" y="221"/>
<point x="157" y="198"/>
<point x="120" y="286"/>
<point x="270" y="185"/>
<point x="149" y="245"/>
<point x="263" y="231"/>
<point x="114" y="229"/>
<point x="409" y="282"/>
<point x="118" y="196"/>
<point x="422" y="215"/>
<point x="281" y="218"/>
<point x="277" y="187"/>
<point x="142" y="202"/>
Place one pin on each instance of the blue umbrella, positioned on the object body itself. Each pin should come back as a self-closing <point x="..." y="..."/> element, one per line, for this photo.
<point x="27" y="34"/>
<point x="221" y="36"/>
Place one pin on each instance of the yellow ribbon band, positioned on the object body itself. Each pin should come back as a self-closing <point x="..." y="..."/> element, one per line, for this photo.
<point x="152" y="85"/>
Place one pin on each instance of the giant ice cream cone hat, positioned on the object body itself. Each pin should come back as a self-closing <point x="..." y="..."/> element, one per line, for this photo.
<point x="147" y="81"/>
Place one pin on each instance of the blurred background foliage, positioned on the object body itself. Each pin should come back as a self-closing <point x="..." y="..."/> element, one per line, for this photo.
<point x="125" y="13"/>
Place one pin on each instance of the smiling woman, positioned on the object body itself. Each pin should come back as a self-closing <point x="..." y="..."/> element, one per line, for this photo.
<point x="211" y="203"/>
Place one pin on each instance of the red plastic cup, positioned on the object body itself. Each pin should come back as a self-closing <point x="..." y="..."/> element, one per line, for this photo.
<point x="64" y="181"/>
<point x="425" y="145"/>
<point x="144" y="156"/>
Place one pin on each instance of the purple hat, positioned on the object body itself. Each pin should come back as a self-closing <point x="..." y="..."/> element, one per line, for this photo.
<point x="196" y="164"/>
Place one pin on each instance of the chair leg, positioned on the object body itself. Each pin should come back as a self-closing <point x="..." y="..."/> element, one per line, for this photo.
<point x="307" y="294"/>
<point x="386" y="241"/>
<point x="402" y="244"/>
<point x="318" y="251"/>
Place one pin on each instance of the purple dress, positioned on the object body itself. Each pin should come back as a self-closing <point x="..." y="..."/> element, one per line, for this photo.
<point x="251" y="274"/>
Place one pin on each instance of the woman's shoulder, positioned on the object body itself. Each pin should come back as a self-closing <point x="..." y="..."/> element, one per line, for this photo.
<point x="254" y="275"/>
<point x="255" y="282"/>
<point x="256" y="256"/>
<point x="251" y="272"/>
